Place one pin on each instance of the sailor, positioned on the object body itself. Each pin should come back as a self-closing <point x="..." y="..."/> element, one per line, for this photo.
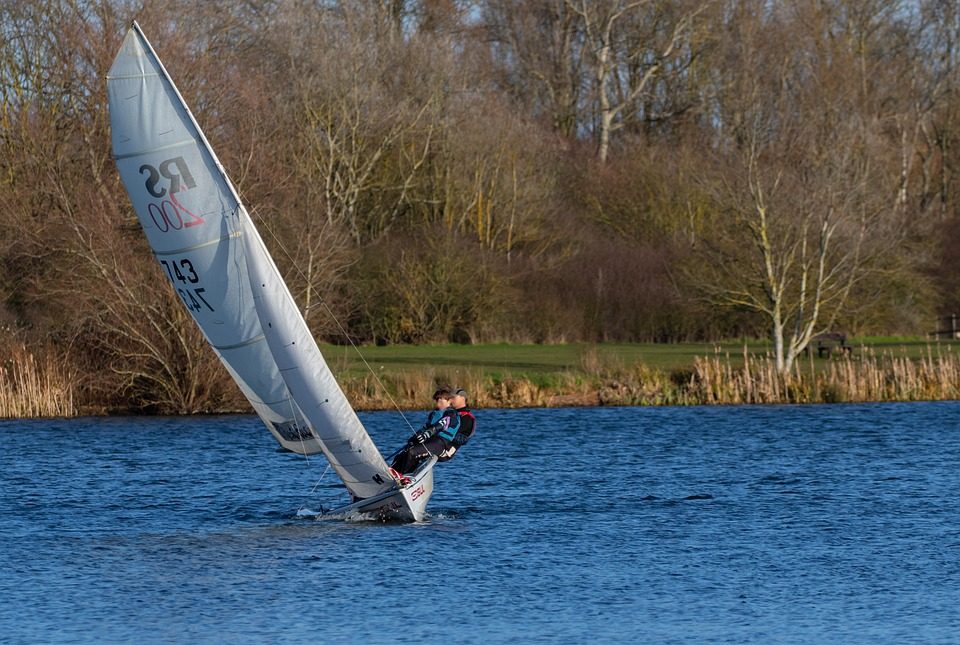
<point x="468" y="422"/>
<point x="435" y="437"/>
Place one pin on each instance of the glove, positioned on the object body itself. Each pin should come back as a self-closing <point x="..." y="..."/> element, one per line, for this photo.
<point x="420" y="436"/>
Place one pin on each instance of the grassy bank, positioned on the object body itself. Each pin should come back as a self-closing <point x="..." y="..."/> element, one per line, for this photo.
<point x="896" y="369"/>
<point x="692" y="374"/>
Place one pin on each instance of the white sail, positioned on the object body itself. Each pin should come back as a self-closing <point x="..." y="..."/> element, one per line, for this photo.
<point x="345" y="442"/>
<point x="204" y="239"/>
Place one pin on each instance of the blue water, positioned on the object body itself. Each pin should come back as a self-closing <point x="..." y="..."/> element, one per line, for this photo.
<point x="732" y="524"/>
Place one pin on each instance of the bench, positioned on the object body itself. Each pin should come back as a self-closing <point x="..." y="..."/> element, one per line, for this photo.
<point x="947" y="328"/>
<point x="830" y="342"/>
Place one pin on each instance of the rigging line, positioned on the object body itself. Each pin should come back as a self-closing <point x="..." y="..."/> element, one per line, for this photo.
<point x="313" y="490"/>
<point x="336" y="320"/>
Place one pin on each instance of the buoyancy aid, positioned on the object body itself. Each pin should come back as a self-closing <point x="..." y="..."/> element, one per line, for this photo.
<point x="434" y="417"/>
<point x="444" y="423"/>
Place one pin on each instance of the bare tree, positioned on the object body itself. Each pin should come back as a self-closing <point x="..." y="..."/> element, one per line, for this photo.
<point x="614" y="50"/>
<point x="803" y="202"/>
<point x="539" y="47"/>
<point x="791" y="245"/>
<point x="494" y="179"/>
<point x="368" y="131"/>
<point x="934" y="77"/>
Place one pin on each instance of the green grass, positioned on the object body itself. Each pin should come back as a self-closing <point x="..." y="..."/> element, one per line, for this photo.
<point x="529" y="360"/>
<point x="503" y="357"/>
<point x="537" y="362"/>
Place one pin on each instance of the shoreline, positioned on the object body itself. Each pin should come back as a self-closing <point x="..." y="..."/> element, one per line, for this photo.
<point x="110" y="414"/>
<point x="39" y="389"/>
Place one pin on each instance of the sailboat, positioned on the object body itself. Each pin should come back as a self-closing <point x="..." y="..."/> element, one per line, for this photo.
<point x="210" y="250"/>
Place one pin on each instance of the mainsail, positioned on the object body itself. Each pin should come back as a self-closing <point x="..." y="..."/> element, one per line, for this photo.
<point x="213" y="255"/>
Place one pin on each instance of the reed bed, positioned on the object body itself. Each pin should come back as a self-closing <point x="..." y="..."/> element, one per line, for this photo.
<point x="712" y="380"/>
<point x="32" y="387"/>
<point x="934" y="377"/>
<point x="410" y="390"/>
<point x="35" y="384"/>
<point x="605" y="384"/>
<point x="867" y="377"/>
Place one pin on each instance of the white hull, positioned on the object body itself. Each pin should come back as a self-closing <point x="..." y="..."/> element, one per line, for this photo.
<point x="407" y="504"/>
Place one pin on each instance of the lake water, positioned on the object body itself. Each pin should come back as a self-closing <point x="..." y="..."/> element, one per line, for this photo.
<point x="730" y="524"/>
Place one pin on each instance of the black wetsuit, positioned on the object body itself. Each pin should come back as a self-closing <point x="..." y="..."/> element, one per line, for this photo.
<point x="468" y="425"/>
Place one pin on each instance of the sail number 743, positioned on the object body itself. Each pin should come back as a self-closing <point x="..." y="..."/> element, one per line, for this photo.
<point x="184" y="277"/>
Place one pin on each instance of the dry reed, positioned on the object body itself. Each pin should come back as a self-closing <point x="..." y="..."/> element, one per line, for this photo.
<point x="713" y="380"/>
<point x="896" y="378"/>
<point x="37" y="385"/>
<point x="864" y="378"/>
<point x="31" y="387"/>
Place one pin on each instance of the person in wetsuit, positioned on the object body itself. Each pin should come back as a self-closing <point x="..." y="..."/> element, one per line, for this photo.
<point x="468" y="422"/>
<point x="435" y="437"/>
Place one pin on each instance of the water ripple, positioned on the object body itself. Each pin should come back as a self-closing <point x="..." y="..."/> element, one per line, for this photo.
<point x="734" y="524"/>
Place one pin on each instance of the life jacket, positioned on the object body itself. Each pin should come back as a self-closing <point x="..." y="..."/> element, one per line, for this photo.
<point x="434" y="417"/>
<point x="448" y="420"/>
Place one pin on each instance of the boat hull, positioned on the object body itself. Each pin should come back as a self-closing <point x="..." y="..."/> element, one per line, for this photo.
<point x="405" y="504"/>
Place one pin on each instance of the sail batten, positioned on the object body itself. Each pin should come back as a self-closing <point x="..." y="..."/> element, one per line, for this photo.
<point x="126" y="77"/>
<point x="257" y="339"/>
<point x="194" y="247"/>
<point x="216" y="261"/>
<point x="169" y="146"/>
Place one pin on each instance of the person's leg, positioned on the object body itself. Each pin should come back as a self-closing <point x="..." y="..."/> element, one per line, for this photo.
<point x="408" y="460"/>
<point x="440" y="447"/>
<point x="402" y="460"/>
